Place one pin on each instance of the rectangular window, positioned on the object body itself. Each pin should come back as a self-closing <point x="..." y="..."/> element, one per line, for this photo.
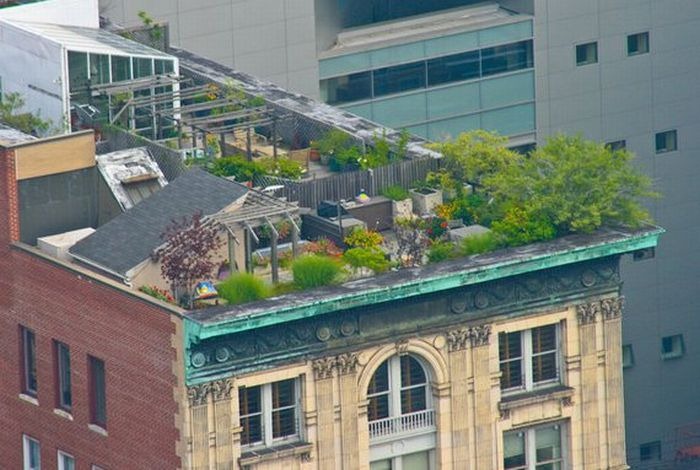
<point x="163" y="66"/>
<point x="587" y="53"/>
<point x="627" y="356"/>
<point x="353" y="87"/>
<point x="638" y="43"/>
<point x="65" y="461"/>
<point x="506" y="58"/>
<point x="617" y="145"/>
<point x="62" y="355"/>
<point x="269" y="413"/>
<point x="31" y="453"/>
<point x="534" y="448"/>
<point x="99" y="69"/>
<point x="28" y="365"/>
<point x="650" y="451"/>
<point x="666" y="141"/>
<point x="121" y="68"/>
<point x="142" y="67"/>
<point x="399" y="78"/>
<point x="529" y="358"/>
<point x="98" y="397"/>
<point x="672" y="347"/>
<point x="77" y="71"/>
<point x="454" y="68"/>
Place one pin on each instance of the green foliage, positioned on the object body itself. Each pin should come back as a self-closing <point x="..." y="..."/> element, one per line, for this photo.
<point x="323" y="246"/>
<point x="10" y="106"/>
<point x="370" y="258"/>
<point x="346" y="159"/>
<point x="436" y="227"/>
<point x="363" y="238"/>
<point x="378" y="155"/>
<point x="480" y="243"/>
<point x="332" y="142"/>
<point x="243" y="287"/>
<point x="396" y="193"/>
<point x="238" y="167"/>
<point x="402" y="144"/>
<point x="572" y="184"/>
<point x="283" y="288"/>
<point x="283" y="167"/>
<point x="522" y="225"/>
<point x="441" y="251"/>
<point x="411" y="239"/>
<point x="313" y="271"/>
<point x="160" y="294"/>
<point x="256" y="101"/>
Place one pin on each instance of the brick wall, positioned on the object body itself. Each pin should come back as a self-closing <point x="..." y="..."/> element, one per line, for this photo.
<point x="132" y="336"/>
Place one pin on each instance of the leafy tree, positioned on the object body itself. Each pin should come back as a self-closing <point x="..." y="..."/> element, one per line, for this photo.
<point x="11" y="115"/>
<point x="186" y="255"/>
<point x="370" y="258"/>
<point x="569" y="185"/>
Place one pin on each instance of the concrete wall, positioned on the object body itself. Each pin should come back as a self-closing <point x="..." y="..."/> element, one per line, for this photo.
<point x="67" y="12"/>
<point x="632" y="98"/>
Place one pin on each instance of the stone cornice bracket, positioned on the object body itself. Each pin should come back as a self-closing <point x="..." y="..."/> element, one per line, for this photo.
<point x="612" y="308"/>
<point x="401" y="347"/>
<point x="323" y="368"/>
<point x="587" y="313"/>
<point x="480" y="335"/>
<point x="458" y="340"/>
<point x="221" y="389"/>
<point x="198" y="394"/>
<point x="346" y="363"/>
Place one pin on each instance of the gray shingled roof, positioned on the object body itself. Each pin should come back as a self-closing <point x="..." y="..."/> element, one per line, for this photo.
<point x="130" y="238"/>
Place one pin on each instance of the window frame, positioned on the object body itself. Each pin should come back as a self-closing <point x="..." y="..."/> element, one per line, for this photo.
<point x="630" y="363"/>
<point x="61" y="455"/>
<point x="97" y="417"/>
<point x="652" y="445"/>
<point x="62" y="370"/>
<point x="635" y="36"/>
<point x="266" y="412"/>
<point x="530" y="448"/>
<point x="26" y="456"/>
<point x="395" y="388"/>
<point x="527" y="363"/>
<point x="666" y="148"/>
<point x="26" y="369"/>
<point x="588" y="60"/>
<point x="677" y="345"/>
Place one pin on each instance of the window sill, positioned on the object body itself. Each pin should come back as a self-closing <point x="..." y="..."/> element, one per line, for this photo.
<point x="558" y="392"/>
<point x="266" y="454"/>
<point x="98" y="429"/>
<point x="29" y="399"/>
<point x="63" y="414"/>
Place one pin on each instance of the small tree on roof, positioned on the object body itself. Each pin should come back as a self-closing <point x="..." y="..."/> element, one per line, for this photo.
<point x="187" y="253"/>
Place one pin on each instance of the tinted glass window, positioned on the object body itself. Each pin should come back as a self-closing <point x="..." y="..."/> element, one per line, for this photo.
<point x="399" y="78"/>
<point x="506" y="58"/>
<point x="454" y="68"/>
<point x="353" y="87"/>
<point x="121" y="68"/>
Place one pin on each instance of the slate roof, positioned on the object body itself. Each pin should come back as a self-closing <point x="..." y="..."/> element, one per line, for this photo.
<point x="130" y="238"/>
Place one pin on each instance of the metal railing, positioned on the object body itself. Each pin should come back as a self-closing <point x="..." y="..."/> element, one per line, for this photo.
<point x="419" y="421"/>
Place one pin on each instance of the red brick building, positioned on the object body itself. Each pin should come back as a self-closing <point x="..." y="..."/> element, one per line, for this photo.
<point x="88" y="369"/>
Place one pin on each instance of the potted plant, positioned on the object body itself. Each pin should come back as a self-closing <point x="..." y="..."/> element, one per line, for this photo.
<point x="425" y="199"/>
<point x="401" y="202"/>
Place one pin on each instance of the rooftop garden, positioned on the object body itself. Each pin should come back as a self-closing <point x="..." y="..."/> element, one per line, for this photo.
<point x="485" y="197"/>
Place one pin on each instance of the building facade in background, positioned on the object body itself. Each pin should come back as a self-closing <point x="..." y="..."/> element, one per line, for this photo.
<point x="621" y="72"/>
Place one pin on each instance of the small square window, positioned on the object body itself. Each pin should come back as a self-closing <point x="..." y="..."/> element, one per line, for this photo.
<point x="627" y="356"/>
<point x="617" y="145"/>
<point x="638" y="43"/>
<point x="666" y="141"/>
<point x="650" y="451"/>
<point x="587" y="53"/>
<point x="672" y="347"/>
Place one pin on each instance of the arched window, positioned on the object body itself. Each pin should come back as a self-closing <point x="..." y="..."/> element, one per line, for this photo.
<point x="398" y="387"/>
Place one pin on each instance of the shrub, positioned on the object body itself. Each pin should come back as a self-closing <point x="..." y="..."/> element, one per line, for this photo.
<point x="243" y="287"/>
<point x="436" y="227"/>
<point x="480" y="243"/>
<point x="238" y="167"/>
<point x="332" y="142"/>
<point x="395" y="193"/>
<point x="314" y="271"/>
<point x="521" y="226"/>
<point x="323" y="246"/>
<point x="283" y="288"/>
<point x="283" y="167"/>
<point x="160" y="294"/>
<point x="441" y="251"/>
<point x="370" y="258"/>
<point x="363" y="238"/>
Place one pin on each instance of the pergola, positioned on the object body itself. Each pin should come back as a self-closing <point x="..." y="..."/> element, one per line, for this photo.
<point x="259" y="209"/>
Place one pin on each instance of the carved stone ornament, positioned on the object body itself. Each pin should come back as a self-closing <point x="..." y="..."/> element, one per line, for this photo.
<point x="612" y="308"/>
<point x="323" y="368"/>
<point x="198" y="394"/>
<point x="221" y="389"/>
<point x="480" y="335"/>
<point x="346" y="363"/>
<point x="587" y="313"/>
<point x="402" y="347"/>
<point x="458" y="340"/>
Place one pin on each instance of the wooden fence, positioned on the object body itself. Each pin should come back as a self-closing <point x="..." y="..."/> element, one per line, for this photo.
<point x="349" y="184"/>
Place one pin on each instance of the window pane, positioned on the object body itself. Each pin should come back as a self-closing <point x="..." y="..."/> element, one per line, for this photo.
<point x="506" y="58"/>
<point x="121" y="68"/>
<point x="98" y="399"/>
<point x="510" y="354"/>
<point x="252" y="429"/>
<point x="416" y="461"/>
<point x="249" y="400"/>
<point x="29" y="361"/>
<point x="454" y="68"/>
<point x="77" y="71"/>
<point x="378" y="407"/>
<point x="548" y="444"/>
<point x="544" y="367"/>
<point x="380" y="380"/>
<point x="31" y="453"/>
<point x="163" y="66"/>
<point x="143" y="67"/>
<point x="64" y="385"/>
<point x="587" y="53"/>
<point x="544" y="339"/>
<point x="413" y="399"/>
<point x="513" y="450"/>
<point x="353" y="87"/>
<point x="66" y="462"/>
<point x="381" y="465"/>
<point x="399" y="78"/>
<point x="283" y="394"/>
<point x="509" y="346"/>
<point x="99" y="69"/>
<point x="284" y="423"/>
<point x="412" y="372"/>
<point x="638" y="43"/>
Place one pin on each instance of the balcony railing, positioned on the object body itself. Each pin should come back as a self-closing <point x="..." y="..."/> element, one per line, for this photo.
<point x="419" y="421"/>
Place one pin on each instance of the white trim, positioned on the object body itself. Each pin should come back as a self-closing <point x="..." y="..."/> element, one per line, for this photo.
<point x="28" y="399"/>
<point x="61" y="462"/>
<point x="26" y="464"/>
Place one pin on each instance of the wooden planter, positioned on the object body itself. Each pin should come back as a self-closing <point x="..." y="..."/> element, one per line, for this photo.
<point x="425" y="200"/>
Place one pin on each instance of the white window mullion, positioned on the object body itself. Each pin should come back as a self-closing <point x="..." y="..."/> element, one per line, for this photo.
<point x="394" y="370"/>
<point x="527" y="358"/>
<point x="266" y="407"/>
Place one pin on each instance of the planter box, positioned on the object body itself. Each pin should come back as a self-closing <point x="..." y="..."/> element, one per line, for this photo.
<point x="425" y="200"/>
<point x="402" y="208"/>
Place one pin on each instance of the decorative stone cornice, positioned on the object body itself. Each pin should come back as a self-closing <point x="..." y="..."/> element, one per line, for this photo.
<point x="198" y="394"/>
<point x="612" y="308"/>
<point x="346" y="363"/>
<point x="221" y="389"/>
<point x="480" y="335"/>
<point x="458" y="340"/>
<point x="587" y="313"/>
<point x="323" y="368"/>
